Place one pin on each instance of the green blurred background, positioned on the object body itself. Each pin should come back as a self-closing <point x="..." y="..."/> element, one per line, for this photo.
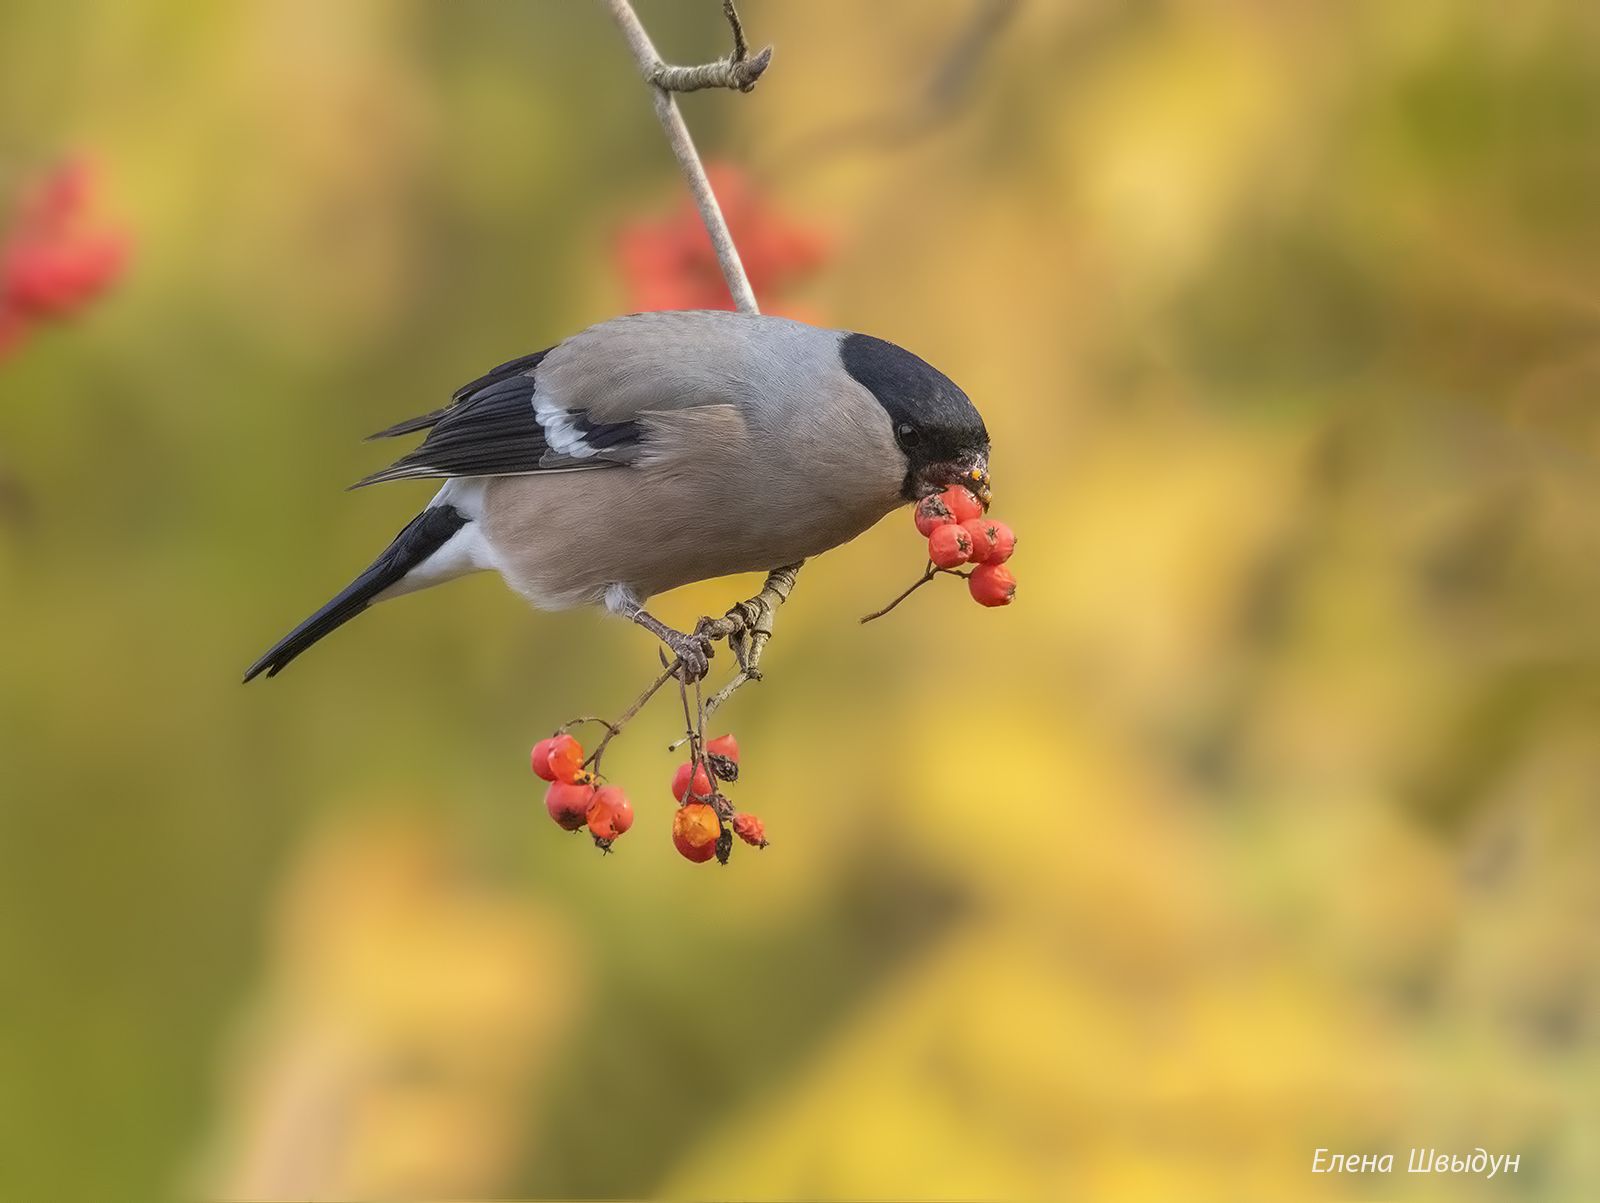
<point x="1265" y="821"/>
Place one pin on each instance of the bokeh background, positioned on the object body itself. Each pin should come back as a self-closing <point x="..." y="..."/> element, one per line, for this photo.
<point x="1266" y="820"/>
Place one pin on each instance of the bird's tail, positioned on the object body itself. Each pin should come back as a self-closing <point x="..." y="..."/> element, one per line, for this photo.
<point x="423" y="536"/>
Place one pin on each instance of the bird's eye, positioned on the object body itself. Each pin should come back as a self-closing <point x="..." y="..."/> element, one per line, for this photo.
<point x="910" y="436"/>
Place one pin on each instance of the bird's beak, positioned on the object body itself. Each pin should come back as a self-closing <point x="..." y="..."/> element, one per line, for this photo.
<point x="971" y="472"/>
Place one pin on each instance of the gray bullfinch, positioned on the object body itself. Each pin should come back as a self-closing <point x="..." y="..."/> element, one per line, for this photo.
<point x="657" y="449"/>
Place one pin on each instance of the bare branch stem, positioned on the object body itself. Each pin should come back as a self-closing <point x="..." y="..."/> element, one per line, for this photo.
<point x="747" y="627"/>
<point x="928" y="574"/>
<point x="732" y="72"/>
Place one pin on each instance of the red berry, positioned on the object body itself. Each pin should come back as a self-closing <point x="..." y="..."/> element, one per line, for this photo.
<point x="749" y="829"/>
<point x="702" y="786"/>
<point x="931" y="513"/>
<point x="992" y="585"/>
<point x="569" y="804"/>
<point x="610" y="814"/>
<point x="695" y="830"/>
<point x="949" y="546"/>
<point x="541" y="759"/>
<point x="981" y="531"/>
<point x="566" y="760"/>
<point x="961" y="503"/>
<point x="38" y="280"/>
<point x="1005" y="542"/>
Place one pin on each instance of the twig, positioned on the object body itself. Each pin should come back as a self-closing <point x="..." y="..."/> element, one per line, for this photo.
<point x="615" y="729"/>
<point x="738" y="70"/>
<point x="928" y="574"/>
<point x="734" y="72"/>
<point x="747" y="626"/>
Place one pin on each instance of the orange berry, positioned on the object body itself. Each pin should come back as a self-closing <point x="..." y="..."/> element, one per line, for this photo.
<point x="609" y="814"/>
<point x="992" y="585"/>
<point x="695" y="831"/>
<point x="701" y="786"/>
<point x="961" y="503"/>
<point x="932" y="512"/>
<point x="566" y="760"/>
<point x="949" y="546"/>
<point x="569" y="804"/>
<point x="749" y="829"/>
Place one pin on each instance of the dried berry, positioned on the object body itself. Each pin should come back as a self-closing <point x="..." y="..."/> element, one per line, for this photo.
<point x="723" y="754"/>
<point x="949" y="546"/>
<point x="569" y="804"/>
<point x="749" y="829"/>
<point x="610" y="813"/>
<point x="702" y="788"/>
<point x="992" y="585"/>
<point x="695" y="831"/>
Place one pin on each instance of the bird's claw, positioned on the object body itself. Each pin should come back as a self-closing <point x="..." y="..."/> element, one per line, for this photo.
<point x="694" y="652"/>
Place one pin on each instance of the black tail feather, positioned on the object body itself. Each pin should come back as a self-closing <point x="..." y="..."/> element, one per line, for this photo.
<point x="409" y="426"/>
<point x="423" y="535"/>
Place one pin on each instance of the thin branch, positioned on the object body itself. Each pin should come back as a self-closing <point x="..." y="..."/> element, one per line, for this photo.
<point x="738" y="70"/>
<point x="747" y="627"/>
<point x="928" y="574"/>
<point x="615" y="729"/>
<point x="731" y="72"/>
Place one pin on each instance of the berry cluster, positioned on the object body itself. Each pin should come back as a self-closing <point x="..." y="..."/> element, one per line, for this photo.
<point x="574" y="799"/>
<point x="51" y="263"/>
<point x="959" y="533"/>
<point x="669" y="263"/>
<point x="706" y="821"/>
<point x="703" y="827"/>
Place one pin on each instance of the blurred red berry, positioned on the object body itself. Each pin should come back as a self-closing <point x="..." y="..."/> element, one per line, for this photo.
<point x="931" y="513"/>
<point x="51" y="265"/>
<point x="961" y="503"/>
<point x="695" y="831"/>
<point x="949" y="546"/>
<point x="668" y="263"/>
<point x="702" y="786"/>
<point x="610" y="813"/>
<point x="749" y="829"/>
<point x="992" y="585"/>
<point x="565" y="759"/>
<point x="569" y="804"/>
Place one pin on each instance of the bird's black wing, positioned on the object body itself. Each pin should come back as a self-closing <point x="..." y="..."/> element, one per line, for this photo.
<point x="492" y="428"/>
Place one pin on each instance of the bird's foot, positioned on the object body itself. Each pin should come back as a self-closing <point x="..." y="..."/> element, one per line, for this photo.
<point x="692" y="648"/>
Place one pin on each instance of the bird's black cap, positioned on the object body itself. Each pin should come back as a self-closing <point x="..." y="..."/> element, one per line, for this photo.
<point x="934" y="423"/>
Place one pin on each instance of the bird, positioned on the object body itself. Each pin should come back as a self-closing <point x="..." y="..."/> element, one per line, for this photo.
<point x="657" y="449"/>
